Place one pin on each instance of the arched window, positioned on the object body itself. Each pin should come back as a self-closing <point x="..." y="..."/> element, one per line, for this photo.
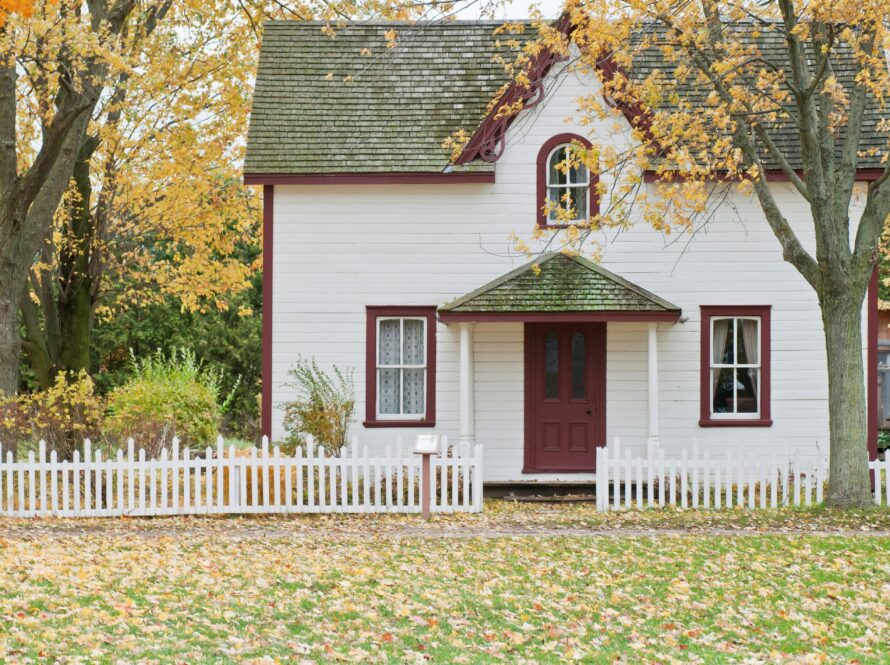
<point x="564" y="183"/>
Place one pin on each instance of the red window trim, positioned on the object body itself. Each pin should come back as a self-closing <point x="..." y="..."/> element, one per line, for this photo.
<point x="707" y="313"/>
<point x="541" y="198"/>
<point x="373" y="313"/>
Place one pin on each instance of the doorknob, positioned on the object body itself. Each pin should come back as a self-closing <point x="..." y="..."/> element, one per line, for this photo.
<point x="589" y="412"/>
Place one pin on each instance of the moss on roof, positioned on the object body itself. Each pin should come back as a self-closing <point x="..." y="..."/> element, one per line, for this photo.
<point x="563" y="284"/>
<point x="348" y="103"/>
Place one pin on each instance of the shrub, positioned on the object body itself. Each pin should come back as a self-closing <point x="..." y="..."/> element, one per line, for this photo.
<point x="323" y="408"/>
<point x="167" y="396"/>
<point x="63" y="415"/>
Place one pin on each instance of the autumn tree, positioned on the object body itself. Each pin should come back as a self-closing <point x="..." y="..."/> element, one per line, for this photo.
<point x="121" y="122"/>
<point x="66" y="50"/>
<point x="155" y="206"/>
<point x="743" y="77"/>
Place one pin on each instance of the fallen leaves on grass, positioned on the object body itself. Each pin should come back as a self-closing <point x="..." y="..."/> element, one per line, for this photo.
<point x="241" y="591"/>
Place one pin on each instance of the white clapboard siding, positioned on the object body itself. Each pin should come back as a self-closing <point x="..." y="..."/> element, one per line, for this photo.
<point x="697" y="480"/>
<point x="215" y="480"/>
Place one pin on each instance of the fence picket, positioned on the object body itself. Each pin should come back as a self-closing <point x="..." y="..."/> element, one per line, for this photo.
<point x="10" y="502"/>
<point x="276" y="473"/>
<point x="332" y="470"/>
<point x="66" y="497"/>
<point x="706" y="480"/>
<point x="41" y="447"/>
<point x="353" y="449"/>
<point x="628" y="480"/>
<point x="443" y="474"/>
<point x="650" y="489"/>
<point x="661" y="484"/>
<point x="118" y="471"/>
<point x="684" y="479"/>
<point x="54" y="491"/>
<point x="141" y="481"/>
<point x="299" y="467"/>
<point x="617" y="480"/>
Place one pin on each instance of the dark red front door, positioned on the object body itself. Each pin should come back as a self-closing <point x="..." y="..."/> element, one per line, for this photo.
<point x="565" y="395"/>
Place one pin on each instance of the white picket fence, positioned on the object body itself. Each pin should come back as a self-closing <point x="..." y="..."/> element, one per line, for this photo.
<point x="697" y="480"/>
<point x="228" y="480"/>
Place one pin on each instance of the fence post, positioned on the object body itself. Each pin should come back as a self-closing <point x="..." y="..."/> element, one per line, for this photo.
<point x="616" y="483"/>
<point x="425" y="486"/>
<point x="42" y="453"/>
<point x="477" y="485"/>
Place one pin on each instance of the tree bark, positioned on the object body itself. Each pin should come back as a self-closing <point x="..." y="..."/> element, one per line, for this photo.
<point x="75" y="304"/>
<point x="10" y="344"/>
<point x="849" y="483"/>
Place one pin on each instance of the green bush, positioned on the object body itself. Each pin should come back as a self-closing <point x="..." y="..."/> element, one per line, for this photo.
<point x="323" y="408"/>
<point x="167" y="396"/>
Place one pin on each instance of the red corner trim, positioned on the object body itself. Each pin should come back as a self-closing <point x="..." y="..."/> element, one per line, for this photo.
<point x="709" y="311"/>
<point x="406" y="178"/>
<point x="872" y="372"/>
<point x="373" y="312"/>
<point x="268" y="207"/>
<point x="541" y="198"/>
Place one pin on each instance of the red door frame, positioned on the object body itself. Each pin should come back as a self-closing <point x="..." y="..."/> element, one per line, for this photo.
<point x="597" y="358"/>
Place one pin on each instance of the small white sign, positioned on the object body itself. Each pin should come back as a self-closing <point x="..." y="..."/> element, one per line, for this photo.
<point x="426" y="444"/>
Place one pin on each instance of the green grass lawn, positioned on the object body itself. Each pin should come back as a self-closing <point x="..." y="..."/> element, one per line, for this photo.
<point x="264" y="590"/>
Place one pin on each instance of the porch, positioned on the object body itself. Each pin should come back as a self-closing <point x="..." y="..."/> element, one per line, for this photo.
<point x="550" y="322"/>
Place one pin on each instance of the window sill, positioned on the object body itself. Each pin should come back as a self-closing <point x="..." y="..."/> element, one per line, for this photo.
<point x="398" y="423"/>
<point x="561" y="227"/>
<point x="747" y="422"/>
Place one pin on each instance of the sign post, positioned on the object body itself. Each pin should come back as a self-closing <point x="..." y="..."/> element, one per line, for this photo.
<point x="426" y="445"/>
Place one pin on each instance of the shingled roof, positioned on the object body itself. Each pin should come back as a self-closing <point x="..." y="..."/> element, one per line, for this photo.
<point x="562" y="284"/>
<point x="774" y="49"/>
<point x="348" y="104"/>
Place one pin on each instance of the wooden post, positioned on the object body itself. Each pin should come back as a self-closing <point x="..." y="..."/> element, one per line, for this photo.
<point x="425" y="483"/>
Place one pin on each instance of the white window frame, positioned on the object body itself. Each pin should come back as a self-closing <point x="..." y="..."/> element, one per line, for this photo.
<point x="572" y="186"/>
<point x="735" y="366"/>
<point x="401" y="367"/>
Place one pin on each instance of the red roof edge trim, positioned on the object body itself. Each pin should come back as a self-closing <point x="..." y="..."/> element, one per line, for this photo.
<point x="489" y="140"/>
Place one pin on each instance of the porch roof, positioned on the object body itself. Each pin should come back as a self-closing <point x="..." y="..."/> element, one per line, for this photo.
<point x="569" y="288"/>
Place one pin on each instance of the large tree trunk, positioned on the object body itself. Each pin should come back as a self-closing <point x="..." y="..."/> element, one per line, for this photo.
<point x="76" y="283"/>
<point x="849" y="483"/>
<point x="10" y="344"/>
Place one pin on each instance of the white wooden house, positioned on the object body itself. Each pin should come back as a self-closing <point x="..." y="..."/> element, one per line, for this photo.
<point x="383" y="255"/>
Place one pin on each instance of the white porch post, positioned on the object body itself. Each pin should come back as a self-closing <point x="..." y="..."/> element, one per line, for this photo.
<point x="467" y="399"/>
<point x="653" y="384"/>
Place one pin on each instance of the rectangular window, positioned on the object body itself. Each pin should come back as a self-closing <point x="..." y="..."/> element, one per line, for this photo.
<point x="400" y="382"/>
<point x="883" y="388"/>
<point x="735" y="366"/>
